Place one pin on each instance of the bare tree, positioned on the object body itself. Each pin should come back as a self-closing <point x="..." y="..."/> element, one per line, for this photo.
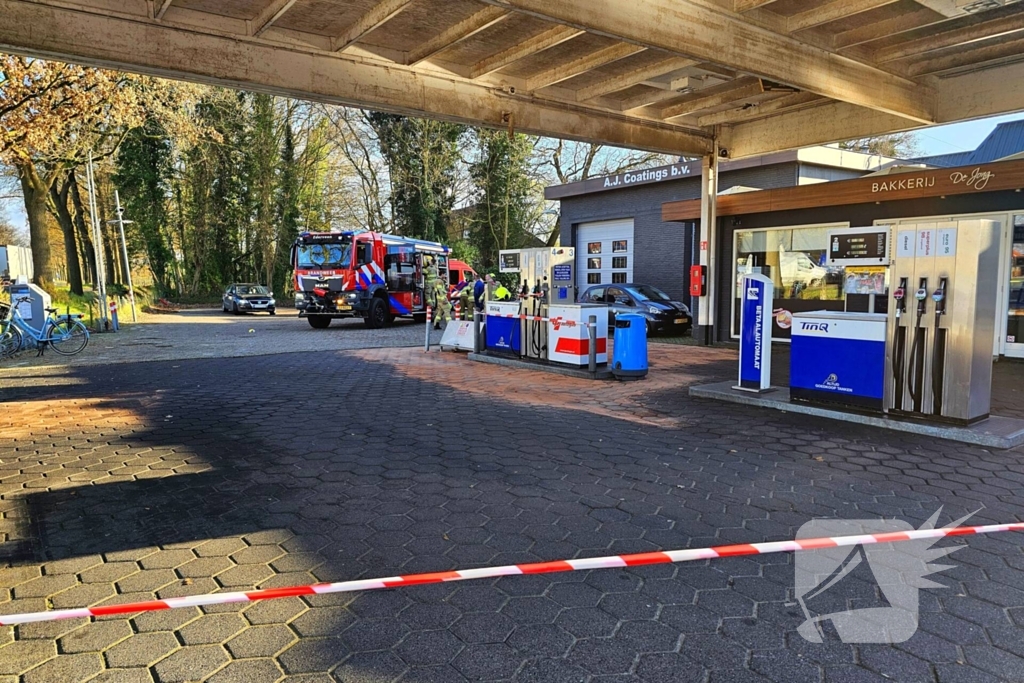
<point x="564" y="161"/>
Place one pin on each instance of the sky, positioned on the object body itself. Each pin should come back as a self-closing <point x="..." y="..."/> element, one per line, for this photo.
<point x="955" y="137"/>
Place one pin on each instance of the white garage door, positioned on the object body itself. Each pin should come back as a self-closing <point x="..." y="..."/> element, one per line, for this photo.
<point x="604" y="253"/>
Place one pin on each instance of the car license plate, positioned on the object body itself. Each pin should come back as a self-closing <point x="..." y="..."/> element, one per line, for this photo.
<point x="344" y="308"/>
<point x="681" y="321"/>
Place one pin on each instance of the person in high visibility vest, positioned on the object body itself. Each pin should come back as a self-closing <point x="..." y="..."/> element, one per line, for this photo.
<point x="434" y="289"/>
<point x="466" y="298"/>
<point x="501" y="293"/>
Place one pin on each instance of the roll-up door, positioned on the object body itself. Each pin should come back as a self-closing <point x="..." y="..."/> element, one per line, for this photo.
<point x="604" y="253"/>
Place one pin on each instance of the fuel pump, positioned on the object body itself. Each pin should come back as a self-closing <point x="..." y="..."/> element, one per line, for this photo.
<point x="898" y="348"/>
<point x="946" y="374"/>
<point x="917" y="349"/>
<point x="545" y="278"/>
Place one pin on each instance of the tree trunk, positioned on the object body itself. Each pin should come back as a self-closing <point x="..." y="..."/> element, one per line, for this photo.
<point x="83" y="230"/>
<point x="35" y="191"/>
<point x="59" y="202"/>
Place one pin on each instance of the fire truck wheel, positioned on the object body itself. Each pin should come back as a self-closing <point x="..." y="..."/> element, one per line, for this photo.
<point x="419" y="318"/>
<point x="319" y="322"/>
<point x="377" y="315"/>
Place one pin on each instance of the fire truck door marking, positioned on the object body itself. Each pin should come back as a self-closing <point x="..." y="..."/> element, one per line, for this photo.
<point x="397" y="305"/>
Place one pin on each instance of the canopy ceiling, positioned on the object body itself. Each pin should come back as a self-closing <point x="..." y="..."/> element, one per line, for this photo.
<point x="665" y="75"/>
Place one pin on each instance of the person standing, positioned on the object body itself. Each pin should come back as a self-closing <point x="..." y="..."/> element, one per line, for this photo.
<point x="434" y="290"/>
<point x="480" y="292"/>
<point x="466" y="296"/>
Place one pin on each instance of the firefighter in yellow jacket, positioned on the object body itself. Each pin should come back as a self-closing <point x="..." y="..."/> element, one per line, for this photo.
<point x="435" y="292"/>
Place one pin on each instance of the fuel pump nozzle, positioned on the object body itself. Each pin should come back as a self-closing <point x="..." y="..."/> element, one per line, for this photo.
<point x="939" y="297"/>
<point x="922" y="296"/>
<point x="900" y="295"/>
<point x="939" y="350"/>
<point x="899" y="341"/>
<point x="917" y="348"/>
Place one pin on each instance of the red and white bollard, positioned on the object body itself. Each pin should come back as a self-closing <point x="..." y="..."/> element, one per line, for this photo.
<point x="113" y="315"/>
<point x="426" y="336"/>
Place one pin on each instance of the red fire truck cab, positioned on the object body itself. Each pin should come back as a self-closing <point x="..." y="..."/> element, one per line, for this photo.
<point x="368" y="275"/>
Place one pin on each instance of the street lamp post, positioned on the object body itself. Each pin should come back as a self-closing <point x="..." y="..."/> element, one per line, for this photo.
<point x="124" y="253"/>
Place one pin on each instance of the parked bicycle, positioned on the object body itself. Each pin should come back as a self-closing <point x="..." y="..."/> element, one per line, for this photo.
<point x="65" y="334"/>
<point x="10" y="336"/>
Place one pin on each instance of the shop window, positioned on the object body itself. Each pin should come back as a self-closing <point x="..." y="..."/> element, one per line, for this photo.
<point x="619" y="262"/>
<point x="620" y="245"/>
<point x="619" y="278"/>
<point x="593" y="278"/>
<point x="593" y="247"/>
<point x="795" y="260"/>
<point x="594" y="264"/>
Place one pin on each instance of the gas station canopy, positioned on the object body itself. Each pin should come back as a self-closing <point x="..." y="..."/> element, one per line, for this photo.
<point x="664" y="75"/>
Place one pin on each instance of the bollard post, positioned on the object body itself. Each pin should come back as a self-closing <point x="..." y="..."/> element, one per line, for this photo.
<point x="592" y="346"/>
<point x="478" y="346"/>
<point x="426" y="337"/>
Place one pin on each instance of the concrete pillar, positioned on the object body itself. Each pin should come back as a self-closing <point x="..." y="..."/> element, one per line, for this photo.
<point x="704" y="329"/>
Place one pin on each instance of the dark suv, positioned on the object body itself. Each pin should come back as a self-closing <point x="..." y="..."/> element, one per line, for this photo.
<point x="661" y="312"/>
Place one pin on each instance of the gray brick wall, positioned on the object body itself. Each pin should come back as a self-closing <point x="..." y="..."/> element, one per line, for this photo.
<point x="663" y="251"/>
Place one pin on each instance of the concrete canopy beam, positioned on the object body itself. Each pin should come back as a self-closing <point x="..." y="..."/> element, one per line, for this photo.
<point x="524" y="48"/>
<point x="143" y="46"/>
<point x="692" y="30"/>
<point x="271" y="13"/>
<point x="998" y="90"/>
<point x="581" y="65"/>
<point x="375" y="17"/>
<point x="832" y="11"/>
<point x="467" y="28"/>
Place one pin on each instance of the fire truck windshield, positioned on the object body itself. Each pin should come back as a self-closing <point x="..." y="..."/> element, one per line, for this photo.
<point x="324" y="255"/>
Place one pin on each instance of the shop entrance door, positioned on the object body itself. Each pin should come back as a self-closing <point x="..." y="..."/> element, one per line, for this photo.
<point x="1014" y="345"/>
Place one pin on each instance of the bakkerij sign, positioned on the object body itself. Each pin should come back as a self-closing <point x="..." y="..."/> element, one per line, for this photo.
<point x="756" y="332"/>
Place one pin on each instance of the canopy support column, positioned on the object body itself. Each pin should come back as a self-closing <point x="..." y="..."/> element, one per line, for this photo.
<point x="704" y="330"/>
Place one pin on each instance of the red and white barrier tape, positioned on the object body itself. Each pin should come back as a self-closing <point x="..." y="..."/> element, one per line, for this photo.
<point x="541" y="319"/>
<point x="509" y="570"/>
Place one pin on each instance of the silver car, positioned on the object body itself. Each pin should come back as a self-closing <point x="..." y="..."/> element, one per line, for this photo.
<point x="248" y="298"/>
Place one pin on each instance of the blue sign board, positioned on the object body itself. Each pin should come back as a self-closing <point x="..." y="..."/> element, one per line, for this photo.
<point x="562" y="273"/>
<point x="838" y="357"/>
<point x="502" y="334"/>
<point x="756" y="294"/>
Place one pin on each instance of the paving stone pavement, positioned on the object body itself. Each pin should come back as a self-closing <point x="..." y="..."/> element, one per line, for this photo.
<point x="205" y="333"/>
<point x="127" y="482"/>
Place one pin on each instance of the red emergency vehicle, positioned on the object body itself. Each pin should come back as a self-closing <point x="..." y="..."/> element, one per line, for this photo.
<point x="369" y="275"/>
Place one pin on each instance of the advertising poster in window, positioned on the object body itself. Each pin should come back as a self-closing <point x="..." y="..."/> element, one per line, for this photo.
<point x="864" y="280"/>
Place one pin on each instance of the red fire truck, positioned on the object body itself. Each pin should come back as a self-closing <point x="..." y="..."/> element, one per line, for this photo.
<point x="369" y="275"/>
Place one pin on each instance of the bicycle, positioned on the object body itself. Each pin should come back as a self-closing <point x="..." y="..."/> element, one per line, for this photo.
<point x="66" y="334"/>
<point x="10" y="336"/>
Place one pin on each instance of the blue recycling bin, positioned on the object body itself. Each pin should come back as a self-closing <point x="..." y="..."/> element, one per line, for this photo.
<point x="629" y="357"/>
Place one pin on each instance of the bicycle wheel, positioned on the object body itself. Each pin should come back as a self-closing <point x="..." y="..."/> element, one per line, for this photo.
<point x="10" y="339"/>
<point x="67" y="337"/>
